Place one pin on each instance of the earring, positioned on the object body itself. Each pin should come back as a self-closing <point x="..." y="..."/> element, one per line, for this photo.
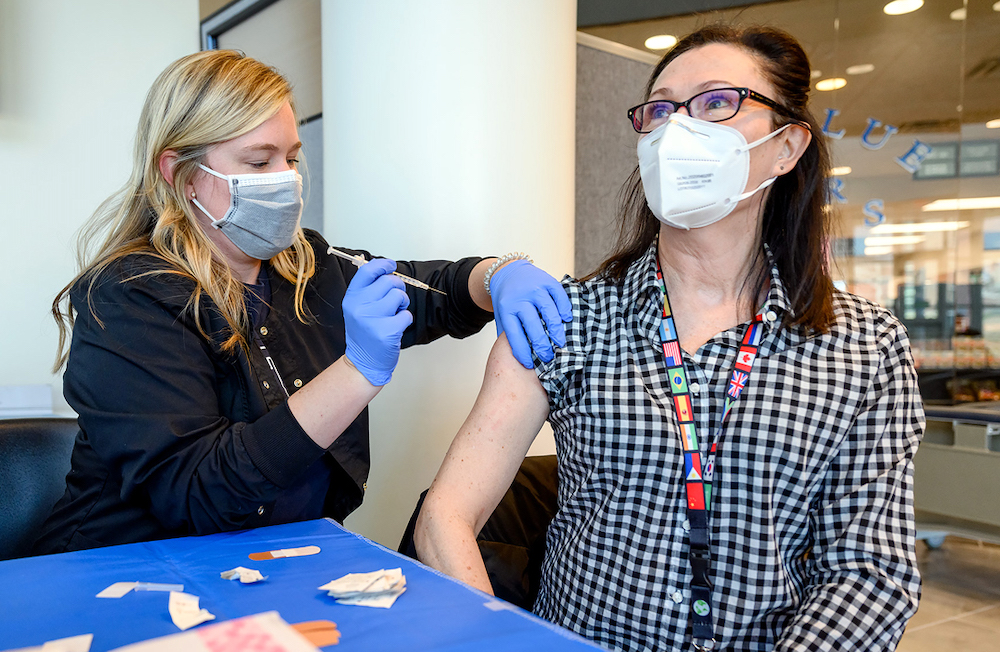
<point x="192" y="194"/>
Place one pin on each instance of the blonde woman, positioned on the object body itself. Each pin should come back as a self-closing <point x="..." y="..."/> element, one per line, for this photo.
<point x="221" y="362"/>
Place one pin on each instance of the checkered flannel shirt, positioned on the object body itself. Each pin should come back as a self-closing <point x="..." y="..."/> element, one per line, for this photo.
<point x="811" y="527"/>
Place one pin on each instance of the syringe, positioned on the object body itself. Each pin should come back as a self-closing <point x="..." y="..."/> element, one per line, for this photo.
<point x="359" y="260"/>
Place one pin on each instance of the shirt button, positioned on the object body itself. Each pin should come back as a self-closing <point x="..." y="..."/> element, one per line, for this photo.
<point x="771" y="315"/>
<point x="695" y="388"/>
<point x="297" y="382"/>
<point x="263" y="329"/>
<point x="677" y="597"/>
<point x="686" y="525"/>
<point x="260" y="511"/>
<point x="267" y="385"/>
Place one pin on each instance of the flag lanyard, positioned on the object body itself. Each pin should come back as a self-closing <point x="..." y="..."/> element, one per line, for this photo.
<point x="698" y="478"/>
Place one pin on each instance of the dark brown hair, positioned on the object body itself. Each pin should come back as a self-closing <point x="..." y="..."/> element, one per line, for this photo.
<point x="795" y="223"/>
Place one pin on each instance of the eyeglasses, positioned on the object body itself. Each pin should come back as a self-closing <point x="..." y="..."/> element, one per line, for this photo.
<point x="715" y="105"/>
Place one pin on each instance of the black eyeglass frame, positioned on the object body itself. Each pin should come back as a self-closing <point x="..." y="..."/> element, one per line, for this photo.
<point x="744" y="92"/>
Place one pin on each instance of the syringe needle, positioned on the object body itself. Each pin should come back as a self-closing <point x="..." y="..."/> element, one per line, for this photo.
<point x="359" y="260"/>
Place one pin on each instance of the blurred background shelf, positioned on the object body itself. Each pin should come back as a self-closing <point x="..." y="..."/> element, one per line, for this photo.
<point x="957" y="473"/>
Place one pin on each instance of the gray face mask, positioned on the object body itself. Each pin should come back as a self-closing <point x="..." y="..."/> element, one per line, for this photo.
<point x="264" y="211"/>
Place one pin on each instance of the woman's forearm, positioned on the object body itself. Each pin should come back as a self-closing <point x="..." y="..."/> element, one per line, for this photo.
<point x="331" y="401"/>
<point x="445" y="542"/>
<point x="479" y="467"/>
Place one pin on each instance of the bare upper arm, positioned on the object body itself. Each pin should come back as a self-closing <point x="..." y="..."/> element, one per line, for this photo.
<point x="488" y="449"/>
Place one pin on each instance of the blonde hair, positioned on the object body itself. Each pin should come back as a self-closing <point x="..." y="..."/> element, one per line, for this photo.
<point x="198" y="101"/>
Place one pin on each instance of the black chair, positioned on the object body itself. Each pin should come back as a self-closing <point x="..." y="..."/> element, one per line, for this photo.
<point x="34" y="461"/>
<point x="512" y="541"/>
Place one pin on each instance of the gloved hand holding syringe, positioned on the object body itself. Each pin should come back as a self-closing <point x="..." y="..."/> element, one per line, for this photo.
<point x="359" y="260"/>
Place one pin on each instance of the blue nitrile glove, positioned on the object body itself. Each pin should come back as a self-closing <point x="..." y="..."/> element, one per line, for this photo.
<point x="520" y="292"/>
<point x="375" y="317"/>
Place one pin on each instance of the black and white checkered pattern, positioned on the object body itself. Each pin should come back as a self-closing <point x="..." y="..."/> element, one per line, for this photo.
<point x="812" y="514"/>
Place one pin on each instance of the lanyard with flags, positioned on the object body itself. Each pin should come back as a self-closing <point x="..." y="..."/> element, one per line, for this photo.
<point x="698" y="476"/>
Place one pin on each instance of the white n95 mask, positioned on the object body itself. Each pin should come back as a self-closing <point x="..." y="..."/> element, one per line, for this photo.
<point x="694" y="172"/>
<point x="264" y="211"/>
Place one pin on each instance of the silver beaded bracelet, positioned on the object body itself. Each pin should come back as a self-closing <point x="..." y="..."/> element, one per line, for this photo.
<point x="500" y="262"/>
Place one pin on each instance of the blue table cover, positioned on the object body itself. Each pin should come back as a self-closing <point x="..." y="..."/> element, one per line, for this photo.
<point x="51" y="597"/>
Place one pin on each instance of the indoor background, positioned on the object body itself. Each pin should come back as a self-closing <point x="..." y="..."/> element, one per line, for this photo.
<point x="443" y="128"/>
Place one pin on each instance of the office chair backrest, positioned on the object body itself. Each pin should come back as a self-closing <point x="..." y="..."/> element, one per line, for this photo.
<point x="34" y="461"/>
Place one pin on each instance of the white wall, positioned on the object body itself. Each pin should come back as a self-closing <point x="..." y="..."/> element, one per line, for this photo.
<point x="449" y="131"/>
<point x="73" y="76"/>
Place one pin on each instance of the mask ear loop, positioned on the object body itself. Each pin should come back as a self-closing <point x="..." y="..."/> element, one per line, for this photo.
<point x="768" y="137"/>
<point x="751" y="193"/>
<point x="215" y="223"/>
<point x="211" y="171"/>
<point x="766" y="182"/>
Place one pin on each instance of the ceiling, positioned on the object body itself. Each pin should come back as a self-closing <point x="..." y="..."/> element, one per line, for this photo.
<point x="590" y="13"/>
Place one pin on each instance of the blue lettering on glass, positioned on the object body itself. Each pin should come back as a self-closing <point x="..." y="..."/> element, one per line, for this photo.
<point x="830" y="115"/>
<point x="834" y="189"/>
<point x="874" y="124"/>
<point x="873" y="211"/>
<point x="911" y="160"/>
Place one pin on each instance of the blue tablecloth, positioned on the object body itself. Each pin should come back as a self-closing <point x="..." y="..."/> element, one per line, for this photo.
<point x="46" y="598"/>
